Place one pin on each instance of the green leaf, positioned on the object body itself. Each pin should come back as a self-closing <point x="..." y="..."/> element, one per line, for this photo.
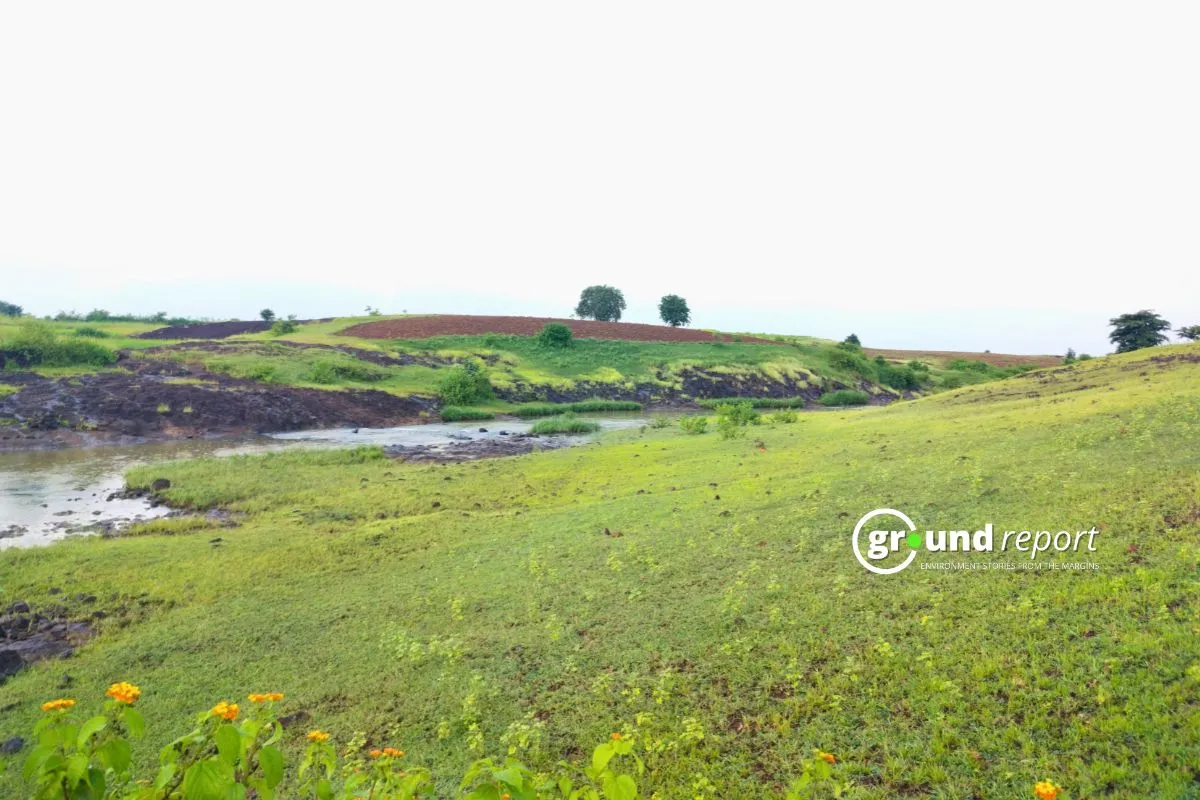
<point x="324" y="789"/>
<point x="118" y="755"/>
<point x="271" y="762"/>
<point x="36" y="760"/>
<point x="77" y="767"/>
<point x="601" y="756"/>
<point x="229" y="744"/>
<point x="134" y="722"/>
<point x="165" y="773"/>
<point x="619" y="787"/>
<point x="207" y="780"/>
<point x="90" y="729"/>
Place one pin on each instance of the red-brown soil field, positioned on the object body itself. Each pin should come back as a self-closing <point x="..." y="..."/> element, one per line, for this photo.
<point x="455" y="325"/>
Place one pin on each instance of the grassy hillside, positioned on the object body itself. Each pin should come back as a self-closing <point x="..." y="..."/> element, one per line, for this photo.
<point x="698" y="594"/>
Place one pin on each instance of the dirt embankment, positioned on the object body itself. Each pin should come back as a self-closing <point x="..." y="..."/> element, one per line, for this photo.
<point x="456" y="325"/>
<point x="159" y="400"/>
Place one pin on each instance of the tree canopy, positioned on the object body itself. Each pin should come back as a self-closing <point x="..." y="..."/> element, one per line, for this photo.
<point x="1135" y="331"/>
<point x="601" y="303"/>
<point x="674" y="310"/>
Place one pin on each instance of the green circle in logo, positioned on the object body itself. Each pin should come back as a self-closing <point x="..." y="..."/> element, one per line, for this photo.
<point x="914" y="540"/>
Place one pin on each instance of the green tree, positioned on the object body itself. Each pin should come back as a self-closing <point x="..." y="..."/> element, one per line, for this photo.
<point x="852" y="339"/>
<point x="1138" y="330"/>
<point x="601" y="303"/>
<point x="674" y="310"/>
<point x="1069" y="358"/>
<point x="267" y="314"/>
<point x="1189" y="332"/>
<point x="10" y="310"/>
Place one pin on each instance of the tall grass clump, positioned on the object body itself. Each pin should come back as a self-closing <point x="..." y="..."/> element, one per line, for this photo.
<point x="35" y="345"/>
<point x="465" y="385"/>
<point x="567" y="423"/>
<point x="756" y="402"/>
<point x="327" y="371"/>
<point x="460" y="414"/>
<point x="581" y="407"/>
<point x="844" y="397"/>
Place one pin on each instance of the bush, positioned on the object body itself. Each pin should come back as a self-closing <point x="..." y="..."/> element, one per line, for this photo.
<point x="897" y="377"/>
<point x="733" y="417"/>
<point x="845" y="397"/>
<point x="787" y="417"/>
<point x="660" y="422"/>
<point x="693" y="425"/>
<point x="465" y="385"/>
<point x="10" y="309"/>
<point x="282" y="327"/>
<point x="952" y="380"/>
<point x="852" y="341"/>
<point x="460" y="414"/>
<point x="35" y="345"/>
<point x="329" y="371"/>
<point x="567" y="423"/>
<point x="756" y="402"/>
<point x="89" y="332"/>
<point x="850" y="360"/>
<point x="555" y="334"/>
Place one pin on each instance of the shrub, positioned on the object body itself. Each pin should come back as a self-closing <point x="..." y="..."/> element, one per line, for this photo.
<point x="850" y="360"/>
<point x="733" y="417"/>
<point x="89" y="332"/>
<point x="465" y="385"/>
<point x="567" y="423"/>
<point x="35" y="345"/>
<point x="853" y="341"/>
<point x="952" y="380"/>
<point x="756" y="402"/>
<point x="845" y="397"/>
<point x="329" y="371"/>
<point x="693" y="425"/>
<point x="460" y="414"/>
<point x="1084" y="357"/>
<point x="897" y="377"/>
<point x="282" y="327"/>
<point x="10" y="309"/>
<point x="660" y="422"/>
<point x="555" y="334"/>
<point x="785" y="416"/>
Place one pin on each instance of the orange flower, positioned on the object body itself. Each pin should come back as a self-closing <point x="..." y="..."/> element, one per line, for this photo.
<point x="225" y="711"/>
<point x="375" y="753"/>
<point x="124" y="692"/>
<point x="1045" y="790"/>
<point x="616" y="737"/>
<point x="827" y="757"/>
<point x="61" y="704"/>
<point x="318" y="736"/>
<point x="392" y="752"/>
<point x="266" y="697"/>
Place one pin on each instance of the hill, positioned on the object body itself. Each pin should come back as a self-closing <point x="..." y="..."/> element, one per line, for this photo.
<point x="698" y="594"/>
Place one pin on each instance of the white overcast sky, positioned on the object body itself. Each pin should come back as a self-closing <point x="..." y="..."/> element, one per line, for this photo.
<point x="946" y="175"/>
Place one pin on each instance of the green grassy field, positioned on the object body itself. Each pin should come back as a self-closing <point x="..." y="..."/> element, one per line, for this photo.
<point x="698" y="594"/>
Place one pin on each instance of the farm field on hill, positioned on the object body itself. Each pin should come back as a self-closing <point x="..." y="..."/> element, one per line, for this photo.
<point x="426" y="326"/>
<point x="696" y="594"/>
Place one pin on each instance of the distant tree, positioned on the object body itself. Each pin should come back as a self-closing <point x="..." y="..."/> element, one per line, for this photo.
<point x="1069" y="358"/>
<point x="1136" y="331"/>
<point x="852" y="339"/>
<point x="674" y="310"/>
<point x="601" y="303"/>
<point x="373" y="312"/>
<point x="97" y="315"/>
<point x="10" y="310"/>
<point x="1189" y="332"/>
<point x="267" y="314"/>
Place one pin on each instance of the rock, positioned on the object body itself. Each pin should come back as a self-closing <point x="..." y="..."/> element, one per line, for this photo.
<point x="12" y="746"/>
<point x="19" y="607"/>
<point x="160" y="484"/>
<point x="483" y="430"/>
<point x="10" y="664"/>
<point x="295" y="718"/>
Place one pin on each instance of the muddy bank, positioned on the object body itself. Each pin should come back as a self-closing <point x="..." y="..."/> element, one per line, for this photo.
<point x="473" y="450"/>
<point x="164" y="400"/>
<point x="216" y="330"/>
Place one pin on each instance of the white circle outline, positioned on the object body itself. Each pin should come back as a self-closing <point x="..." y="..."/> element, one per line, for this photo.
<point x="858" y="529"/>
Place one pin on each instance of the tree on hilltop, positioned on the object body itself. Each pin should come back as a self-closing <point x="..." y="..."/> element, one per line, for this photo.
<point x="1138" y="330"/>
<point x="674" y="310"/>
<point x="601" y="303"/>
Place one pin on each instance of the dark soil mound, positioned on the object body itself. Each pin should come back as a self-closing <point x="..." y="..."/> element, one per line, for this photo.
<point x="452" y="325"/>
<point x="206" y="330"/>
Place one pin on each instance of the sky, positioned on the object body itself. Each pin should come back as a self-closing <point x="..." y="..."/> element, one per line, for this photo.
<point x="936" y="175"/>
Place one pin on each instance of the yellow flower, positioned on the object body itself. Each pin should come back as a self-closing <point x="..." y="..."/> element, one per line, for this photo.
<point x="828" y="757"/>
<point x="124" y="692"/>
<point x="266" y="697"/>
<point x="1045" y="790"/>
<point x="226" y="711"/>
<point x="61" y="704"/>
<point x="318" y="736"/>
